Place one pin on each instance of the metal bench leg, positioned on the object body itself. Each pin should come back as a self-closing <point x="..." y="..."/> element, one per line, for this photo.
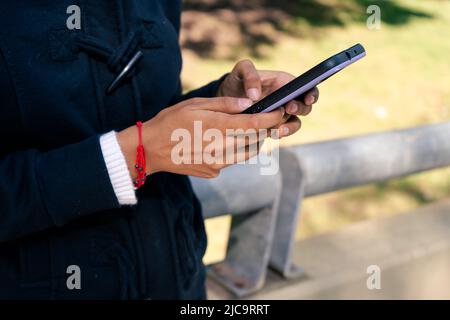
<point x="244" y="270"/>
<point x="288" y="217"/>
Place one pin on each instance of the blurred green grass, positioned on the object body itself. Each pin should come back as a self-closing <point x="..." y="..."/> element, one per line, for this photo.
<point x="403" y="82"/>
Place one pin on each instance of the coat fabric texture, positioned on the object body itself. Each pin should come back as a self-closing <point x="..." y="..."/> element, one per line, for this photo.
<point x="57" y="205"/>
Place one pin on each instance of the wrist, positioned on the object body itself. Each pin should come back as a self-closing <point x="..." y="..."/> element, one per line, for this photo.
<point x="128" y="141"/>
<point x="150" y="139"/>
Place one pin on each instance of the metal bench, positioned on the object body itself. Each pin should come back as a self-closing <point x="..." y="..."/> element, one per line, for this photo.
<point x="265" y="209"/>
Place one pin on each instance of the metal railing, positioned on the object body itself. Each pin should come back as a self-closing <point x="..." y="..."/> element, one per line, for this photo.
<point x="266" y="209"/>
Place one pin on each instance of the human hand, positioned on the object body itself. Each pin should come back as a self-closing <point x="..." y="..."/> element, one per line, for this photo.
<point x="246" y="81"/>
<point x="222" y="114"/>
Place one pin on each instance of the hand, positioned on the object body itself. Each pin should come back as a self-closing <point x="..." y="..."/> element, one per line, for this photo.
<point x="221" y="114"/>
<point x="246" y="81"/>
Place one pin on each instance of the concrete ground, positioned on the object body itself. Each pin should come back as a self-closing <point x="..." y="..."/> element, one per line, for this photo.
<point x="412" y="251"/>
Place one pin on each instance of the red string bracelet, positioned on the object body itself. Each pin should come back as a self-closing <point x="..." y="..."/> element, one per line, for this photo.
<point x="141" y="165"/>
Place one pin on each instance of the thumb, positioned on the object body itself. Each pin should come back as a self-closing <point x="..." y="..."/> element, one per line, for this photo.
<point x="228" y="105"/>
<point x="246" y="71"/>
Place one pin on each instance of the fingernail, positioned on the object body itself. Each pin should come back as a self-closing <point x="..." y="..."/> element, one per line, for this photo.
<point x="285" y="131"/>
<point x="253" y="94"/>
<point x="293" y="108"/>
<point x="244" y="103"/>
<point x="310" y="100"/>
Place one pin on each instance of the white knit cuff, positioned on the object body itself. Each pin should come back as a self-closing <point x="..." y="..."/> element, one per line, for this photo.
<point x="117" y="169"/>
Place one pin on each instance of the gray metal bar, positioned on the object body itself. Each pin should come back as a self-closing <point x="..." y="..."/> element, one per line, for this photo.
<point x="345" y="163"/>
<point x="318" y="168"/>
<point x="239" y="189"/>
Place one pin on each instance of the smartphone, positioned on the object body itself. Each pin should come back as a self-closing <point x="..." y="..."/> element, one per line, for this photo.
<point x="308" y="80"/>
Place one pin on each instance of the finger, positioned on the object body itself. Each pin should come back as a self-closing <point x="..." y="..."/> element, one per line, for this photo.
<point x="228" y="105"/>
<point x="301" y="108"/>
<point x="289" y="128"/>
<point x="275" y="79"/>
<point x="307" y="110"/>
<point x="286" y="118"/>
<point x="311" y="97"/>
<point x="243" y="154"/>
<point x="298" y="108"/>
<point x="236" y="151"/>
<point x="256" y="121"/>
<point x="246" y="71"/>
<point x="231" y="117"/>
<point x="294" y="107"/>
<point x="232" y="143"/>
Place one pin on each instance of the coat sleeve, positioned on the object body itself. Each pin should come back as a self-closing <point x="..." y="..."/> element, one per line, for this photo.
<point x="41" y="190"/>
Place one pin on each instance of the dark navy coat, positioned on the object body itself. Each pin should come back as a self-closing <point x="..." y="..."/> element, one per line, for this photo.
<point x="57" y="205"/>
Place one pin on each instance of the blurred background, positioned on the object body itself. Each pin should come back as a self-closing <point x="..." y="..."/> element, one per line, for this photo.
<point x="403" y="82"/>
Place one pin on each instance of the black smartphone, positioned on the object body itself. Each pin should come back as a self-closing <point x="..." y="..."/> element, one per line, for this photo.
<point x="308" y="80"/>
